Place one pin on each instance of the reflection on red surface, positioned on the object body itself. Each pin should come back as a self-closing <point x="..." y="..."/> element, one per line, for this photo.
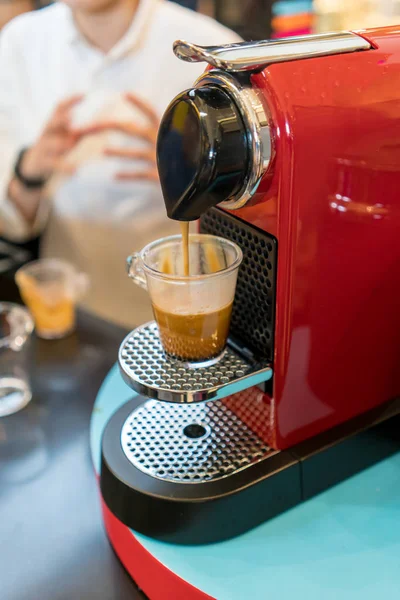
<point x="253" y="407"/>
<point x="332" y="200"/>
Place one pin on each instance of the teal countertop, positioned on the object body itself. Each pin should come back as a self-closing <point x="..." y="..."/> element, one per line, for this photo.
<point x="342" y="545"/>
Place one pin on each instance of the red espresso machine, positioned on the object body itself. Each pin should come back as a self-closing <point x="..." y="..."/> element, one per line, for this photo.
<point x="292" y="150"/>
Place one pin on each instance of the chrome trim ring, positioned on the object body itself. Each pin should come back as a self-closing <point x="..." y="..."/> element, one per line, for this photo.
<point x="258" y="127"/>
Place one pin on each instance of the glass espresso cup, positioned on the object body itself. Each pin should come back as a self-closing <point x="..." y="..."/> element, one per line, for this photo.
<point x="16" y="326"/>
<point x="192" y="311"/>
<point x="50" y="288"/>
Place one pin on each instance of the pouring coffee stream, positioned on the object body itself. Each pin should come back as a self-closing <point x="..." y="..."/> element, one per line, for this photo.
<point x="213" y="261"/>
<point x="185" y="246"/>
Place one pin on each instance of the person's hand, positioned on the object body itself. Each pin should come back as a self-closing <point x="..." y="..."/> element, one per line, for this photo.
<point x="148" y="133"/>
<point x="47" y="154"/>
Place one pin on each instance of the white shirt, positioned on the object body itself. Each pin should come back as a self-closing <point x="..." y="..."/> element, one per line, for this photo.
<point x="94" y="221"/>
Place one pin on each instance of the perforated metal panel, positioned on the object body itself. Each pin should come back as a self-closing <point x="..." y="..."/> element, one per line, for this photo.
<point x="149" y="371"/>
<point x="253" y="315"/>
<point x="189" y="443"/>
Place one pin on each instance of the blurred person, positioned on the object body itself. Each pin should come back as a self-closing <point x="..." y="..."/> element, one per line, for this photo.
<point x="83" y="84"/>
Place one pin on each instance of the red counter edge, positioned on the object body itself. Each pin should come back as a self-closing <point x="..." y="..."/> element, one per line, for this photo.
<point x="156" y="580"/>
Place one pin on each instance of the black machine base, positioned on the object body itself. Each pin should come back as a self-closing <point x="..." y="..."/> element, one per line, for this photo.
<point x="158" y="479"/>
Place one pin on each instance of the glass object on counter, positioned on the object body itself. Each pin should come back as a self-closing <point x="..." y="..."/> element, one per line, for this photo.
<point x="16" y="326"/>
<point x="192" y="311"/>
<point x="50" y="288"/>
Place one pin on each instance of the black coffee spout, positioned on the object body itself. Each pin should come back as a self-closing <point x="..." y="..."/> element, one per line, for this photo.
<point x="202" y="152"/>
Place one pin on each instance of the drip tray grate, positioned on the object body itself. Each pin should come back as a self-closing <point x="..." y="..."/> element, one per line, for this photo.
<point x="190" y="444"/>
<point x="148" y="370"/>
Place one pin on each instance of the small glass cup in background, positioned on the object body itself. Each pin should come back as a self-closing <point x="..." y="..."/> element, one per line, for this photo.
<point x="50" y="289"/>
<point x="16" y="326"/>
<point x="192" y="312"/>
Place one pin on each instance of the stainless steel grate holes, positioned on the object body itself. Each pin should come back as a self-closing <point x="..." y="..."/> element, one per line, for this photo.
<point x="189" y="443"/>
<point x="144" y="361"/>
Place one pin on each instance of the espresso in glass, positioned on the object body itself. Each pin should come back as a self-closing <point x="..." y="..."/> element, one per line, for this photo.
<point x="193" y="337"/>
<point x="192" y="310"/>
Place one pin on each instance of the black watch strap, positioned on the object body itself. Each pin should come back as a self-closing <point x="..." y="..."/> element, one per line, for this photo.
<point x="29" y="183"/>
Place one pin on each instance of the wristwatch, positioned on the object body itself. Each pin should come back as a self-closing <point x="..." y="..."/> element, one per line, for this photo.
<point x="31" y="183"/>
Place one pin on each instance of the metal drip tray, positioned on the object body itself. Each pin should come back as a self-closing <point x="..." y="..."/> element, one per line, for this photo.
<point x="190" y="444"/>
<point x="148" y="370"/>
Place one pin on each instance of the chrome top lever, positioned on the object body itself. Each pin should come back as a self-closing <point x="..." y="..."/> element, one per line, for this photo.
<point x="254" y="56"/>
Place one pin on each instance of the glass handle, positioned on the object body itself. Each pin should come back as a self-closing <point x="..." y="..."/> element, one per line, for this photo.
<point x="135" y="271"/>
